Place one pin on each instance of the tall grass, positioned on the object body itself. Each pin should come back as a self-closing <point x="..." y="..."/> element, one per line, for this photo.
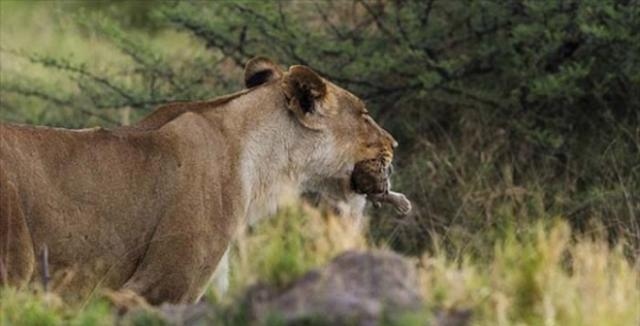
<point x="541" y="275"/>
<point x="280" y="249"/>
<point x="481" y="180"/>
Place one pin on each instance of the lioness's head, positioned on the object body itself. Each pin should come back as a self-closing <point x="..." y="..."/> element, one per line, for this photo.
<point x="344" y="134"/>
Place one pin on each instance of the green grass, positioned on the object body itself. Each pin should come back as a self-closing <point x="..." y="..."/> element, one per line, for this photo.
<point x="23" y="307"/>
<point x="278" y="250"/>
<point x="544" y="275"/>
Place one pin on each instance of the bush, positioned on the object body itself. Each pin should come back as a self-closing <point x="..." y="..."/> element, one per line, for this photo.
<point x="522" y="107"/>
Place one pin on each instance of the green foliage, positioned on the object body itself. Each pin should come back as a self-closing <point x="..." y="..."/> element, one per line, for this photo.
<point x="143" y="318"/>
<point x="26" y="308"/>
<point x="283" y="258"/>
<point x="20" y="309"/>
<point x="526" y="107"/>
<point x="281" y="249"/>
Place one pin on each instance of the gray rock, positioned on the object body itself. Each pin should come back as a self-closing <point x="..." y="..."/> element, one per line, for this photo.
<point x="188" y="315"/>
<point x="356" y="288"/>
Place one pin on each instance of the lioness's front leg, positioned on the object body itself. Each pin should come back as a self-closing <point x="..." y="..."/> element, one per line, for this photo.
<point x="179" y="262"/>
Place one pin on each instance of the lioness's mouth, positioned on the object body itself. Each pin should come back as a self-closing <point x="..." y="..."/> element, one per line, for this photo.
<point x="371" y="177"/>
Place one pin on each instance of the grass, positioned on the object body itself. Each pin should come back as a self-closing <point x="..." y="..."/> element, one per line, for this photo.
<point x="37" y="308"/>
<point x="281" y="249"/>
<point x="545" y="275"/>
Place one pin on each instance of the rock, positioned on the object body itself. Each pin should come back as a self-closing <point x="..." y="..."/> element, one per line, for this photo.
<point x="183" y="314"/>
<point x="202" y="313"/>
<point x="357" y="288"/>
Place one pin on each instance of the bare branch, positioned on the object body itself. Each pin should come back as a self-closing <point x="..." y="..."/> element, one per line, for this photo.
<point x="377" y="18"/>
<point x="44" y="260"/>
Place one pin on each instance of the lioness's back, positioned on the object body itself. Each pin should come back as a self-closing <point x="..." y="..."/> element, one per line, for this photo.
<point x="79" y="187"/>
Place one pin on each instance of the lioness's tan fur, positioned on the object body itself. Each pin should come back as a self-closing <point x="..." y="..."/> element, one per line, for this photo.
<point x="151" y="208"/>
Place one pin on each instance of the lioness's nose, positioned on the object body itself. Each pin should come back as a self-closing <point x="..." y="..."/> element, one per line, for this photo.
<point x="392" y="140"/>
<point x="387" y="136"/>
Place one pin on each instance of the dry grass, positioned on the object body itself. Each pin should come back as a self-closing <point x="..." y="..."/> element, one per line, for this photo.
<point x="545" y="277"/>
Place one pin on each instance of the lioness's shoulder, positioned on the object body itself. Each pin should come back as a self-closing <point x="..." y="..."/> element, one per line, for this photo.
<point x="170" y="111"/>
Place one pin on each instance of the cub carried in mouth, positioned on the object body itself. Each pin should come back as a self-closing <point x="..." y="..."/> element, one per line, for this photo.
<point x="152" y="208"/>
<point x="371" y="177"/>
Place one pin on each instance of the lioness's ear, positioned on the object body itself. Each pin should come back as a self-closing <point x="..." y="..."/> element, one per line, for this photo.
<point x="260" y="70"/>
<point x="304" y="90"/>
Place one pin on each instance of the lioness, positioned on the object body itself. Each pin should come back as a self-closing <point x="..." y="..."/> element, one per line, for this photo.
<point x="151" y="208"/>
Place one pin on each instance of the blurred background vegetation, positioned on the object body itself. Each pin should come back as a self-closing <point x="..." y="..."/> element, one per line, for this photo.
<point x="518" y="122"/>
<point x="507" y="112"/>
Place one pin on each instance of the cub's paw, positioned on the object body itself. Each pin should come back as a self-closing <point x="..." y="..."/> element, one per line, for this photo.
<point x="400" y="202"/>
<point x="396" y="199"/>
